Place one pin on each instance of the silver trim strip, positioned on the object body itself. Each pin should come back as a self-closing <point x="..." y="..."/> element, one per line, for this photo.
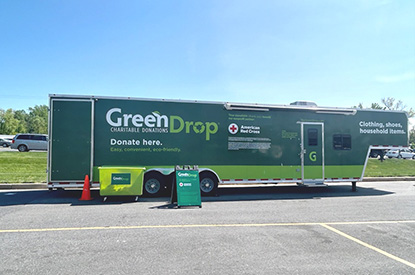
<point x="91" y="97"/>
<point x="267" y="107"/>
<point x="91" y="171"/>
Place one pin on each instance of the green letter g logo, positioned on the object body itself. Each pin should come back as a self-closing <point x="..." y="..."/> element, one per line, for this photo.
<point x="313" y="156"/>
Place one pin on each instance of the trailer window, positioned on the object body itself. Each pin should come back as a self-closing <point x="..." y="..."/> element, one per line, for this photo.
<point x="312" y="137"/>
<point x="347" y="142"/>
<point x="342" y="142"/>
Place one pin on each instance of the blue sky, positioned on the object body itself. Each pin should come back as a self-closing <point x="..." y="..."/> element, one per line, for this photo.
<point x="336" y="53"/>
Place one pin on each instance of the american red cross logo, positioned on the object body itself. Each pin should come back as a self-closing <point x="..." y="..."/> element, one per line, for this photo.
<point x="233" y="128"/>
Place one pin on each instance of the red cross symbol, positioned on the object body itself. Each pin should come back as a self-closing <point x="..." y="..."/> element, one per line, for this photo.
<point x="233" y="128"/>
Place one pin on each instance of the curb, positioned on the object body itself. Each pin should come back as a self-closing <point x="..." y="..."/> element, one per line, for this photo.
<point x="6" y="186"/>
<point x="388" y="179"/>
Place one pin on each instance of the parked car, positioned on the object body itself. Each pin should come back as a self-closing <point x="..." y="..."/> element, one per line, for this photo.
<point x="375" y="153"/>
<point x="27" y="142"/>
<point x="5" y="142"/>
<point x="392" y="153"/>
<point x="403" y="153"/>
<point x="407" y="154"/>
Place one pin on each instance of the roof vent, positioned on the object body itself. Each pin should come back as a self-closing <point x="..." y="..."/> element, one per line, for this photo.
<point x="304" y="103"/>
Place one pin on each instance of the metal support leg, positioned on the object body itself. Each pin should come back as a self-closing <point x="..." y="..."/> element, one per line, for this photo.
<point x="353" y="186"/>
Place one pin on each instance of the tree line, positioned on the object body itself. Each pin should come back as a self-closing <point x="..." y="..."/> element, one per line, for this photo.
<point x="19" y="121"/>
<point x="389" y="103"/>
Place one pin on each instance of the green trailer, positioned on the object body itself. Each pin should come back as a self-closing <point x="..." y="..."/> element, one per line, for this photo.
<point x="231" y="143"/>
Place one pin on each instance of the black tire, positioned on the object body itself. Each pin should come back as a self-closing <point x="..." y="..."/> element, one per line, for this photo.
<point x="153" y="185"/>
<point x="208" y="184"/>
<point x="413" y="157"/>
<point x="22" y="148"/>
<point x="4" y="145"/>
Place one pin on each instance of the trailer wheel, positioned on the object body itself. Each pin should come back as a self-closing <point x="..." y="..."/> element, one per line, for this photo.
<point x="153" y="185"/>
<point x="208" y="184"/>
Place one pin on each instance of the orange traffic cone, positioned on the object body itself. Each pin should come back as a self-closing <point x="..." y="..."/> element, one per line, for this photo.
<point x="86" y="192"/>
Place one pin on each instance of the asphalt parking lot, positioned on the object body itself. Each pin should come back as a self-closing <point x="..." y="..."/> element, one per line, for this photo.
<point x="251" y="230"/>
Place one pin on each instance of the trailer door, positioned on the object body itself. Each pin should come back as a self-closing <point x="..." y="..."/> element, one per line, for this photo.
<point x="312" y="148"/>
<point x="71" y="140"/>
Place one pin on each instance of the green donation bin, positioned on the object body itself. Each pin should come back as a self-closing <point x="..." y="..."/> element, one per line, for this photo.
<point x="188" y="188"/>
<point x="121" y="181"/>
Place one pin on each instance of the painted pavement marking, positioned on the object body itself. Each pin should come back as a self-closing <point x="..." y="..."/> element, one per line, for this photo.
<point x="326" y="225"/>
<point x="369" y="246"/>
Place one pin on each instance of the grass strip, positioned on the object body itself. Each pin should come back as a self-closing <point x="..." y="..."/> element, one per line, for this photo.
<point x="390" y="168"/>
<point x="17" y="167"/>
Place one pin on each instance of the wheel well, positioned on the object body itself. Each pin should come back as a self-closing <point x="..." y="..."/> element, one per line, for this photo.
<point x="209" y="173"/>
<point x="154" y="174"/>
<point x="165" y="180"/>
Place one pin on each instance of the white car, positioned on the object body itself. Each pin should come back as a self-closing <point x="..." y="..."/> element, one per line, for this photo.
<point x="403" y="153"/>
<point x="26" y="142"/>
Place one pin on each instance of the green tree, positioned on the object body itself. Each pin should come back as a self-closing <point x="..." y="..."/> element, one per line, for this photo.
<point x="412" y="137"/>
<point x="21" y="116"/>
<point x="9" y="125"/>
<point x="38" y="119"/>
<point x="376" y="106"/>
<point x="372" y="106"/>
<point x="2" y="121"/>
<point x="390" y="103"/>
<point x="13" y="122"/>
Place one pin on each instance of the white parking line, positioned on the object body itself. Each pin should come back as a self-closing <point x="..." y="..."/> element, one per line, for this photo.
<point x="368" y="245"/>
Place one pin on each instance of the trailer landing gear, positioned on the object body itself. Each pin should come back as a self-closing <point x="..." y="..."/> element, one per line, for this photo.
<point x="353" y="186"/>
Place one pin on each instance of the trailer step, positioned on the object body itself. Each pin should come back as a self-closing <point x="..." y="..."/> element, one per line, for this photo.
<point x="314" y="184"/>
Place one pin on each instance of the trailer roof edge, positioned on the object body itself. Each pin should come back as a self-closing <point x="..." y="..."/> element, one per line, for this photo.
<point x="236" y="106"/>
